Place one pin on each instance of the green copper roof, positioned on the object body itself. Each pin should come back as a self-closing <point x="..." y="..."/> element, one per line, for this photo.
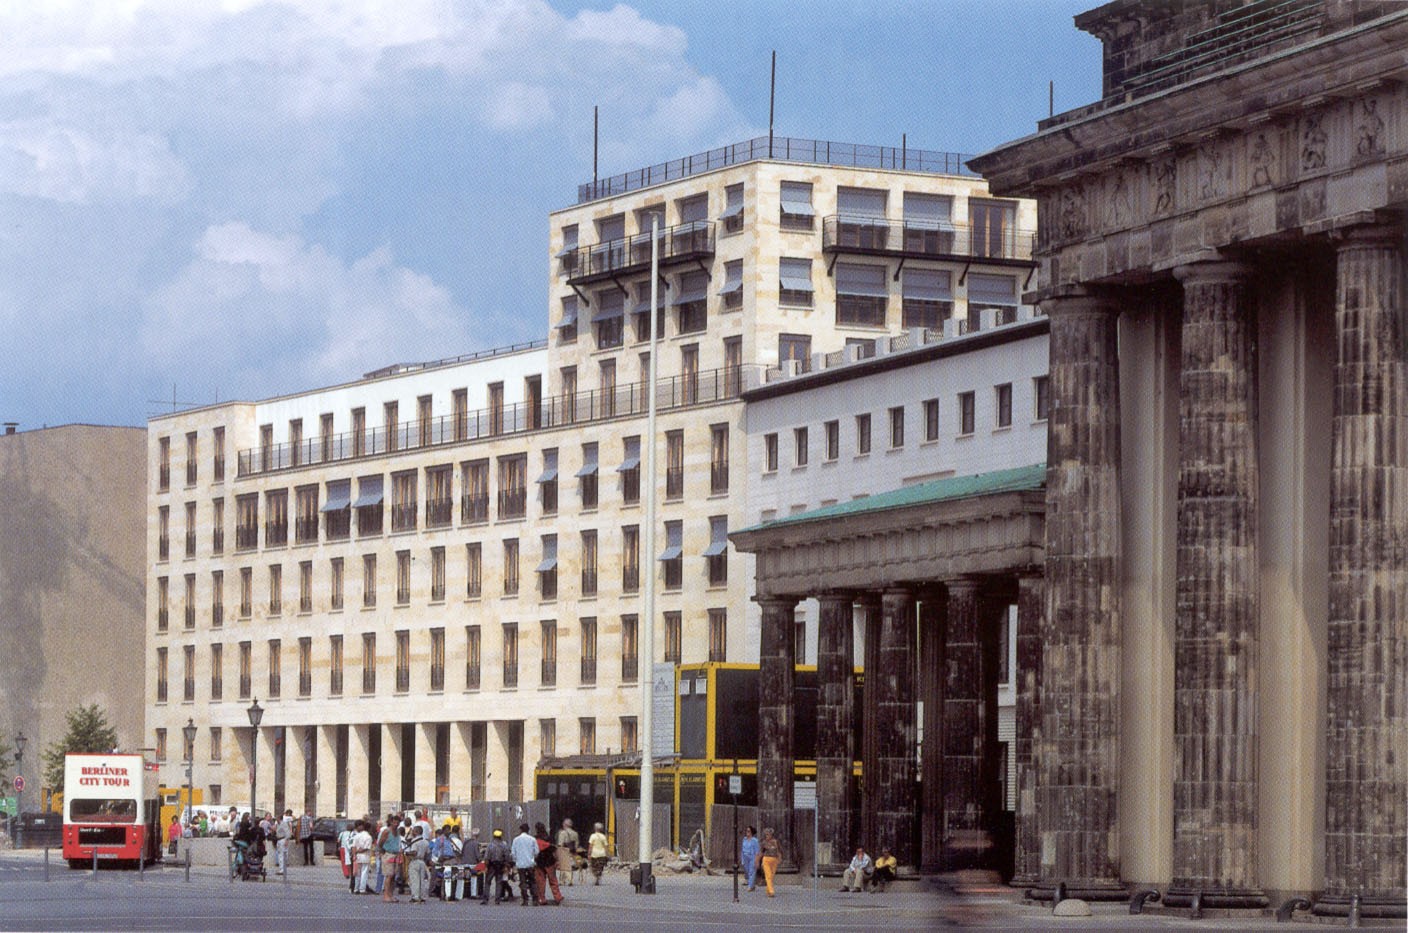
<point x="1017" y="479"/>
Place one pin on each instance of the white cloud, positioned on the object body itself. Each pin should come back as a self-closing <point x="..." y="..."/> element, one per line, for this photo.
<point x="44" y="158"/>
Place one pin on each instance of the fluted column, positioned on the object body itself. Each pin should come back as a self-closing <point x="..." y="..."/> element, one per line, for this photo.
<point x="328" y="770"/>
<point x="932" y="613"/>
<point x="461" y="760"/>
<point x="965" y="838"/>
<point x="1077" y="743"/>
<point x="392" y="765"/>
<point x="1027" y="869"/>
<point x="869" y="732"/>
<point x="896" y="740"/>
<point x="776" y="722"/>
<point x="359" y="794"/>
<point x="267" y="737"/>
<point x="1215" y="634"/>
<point x="296" y="756"/>
<point x="835" y="728"/>
<point x="1366" y="782"/>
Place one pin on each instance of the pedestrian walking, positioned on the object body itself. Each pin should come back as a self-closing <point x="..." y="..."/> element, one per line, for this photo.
<point x="568" y="844"/>
<point x="497" y="856"/>
<point x="525" y="857"/>
<point x="305" y="838"/>
<point x="596" y="851"/>
<point x="748" y="856"/>
<point x="283" y="834"/>
<point x="771" y="849"/>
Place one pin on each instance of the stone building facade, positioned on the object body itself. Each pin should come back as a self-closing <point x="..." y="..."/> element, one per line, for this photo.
<point x="1221" y="701"/>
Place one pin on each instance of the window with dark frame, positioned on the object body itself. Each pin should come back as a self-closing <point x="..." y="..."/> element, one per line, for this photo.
<point x="510" y="630"/>
<point x="369" y="662"/>
<point x="967" y="405"/>
<point x="769" y="453"/>
<point x="897" y="427"/>
<point x="674" y="636"/>
<point x="588" y="663"/>
<point x="474" y="570"/>
<point x="510" y="566"/>
<point x="931" y="419"/>
<point x="863" y="434"/>
<point x="1041" y="393"/>
<point x="630" y="558"/>
<point x="718" y="634"/>
<point x="471" y="657"/>
<point x="589" y="563"/>
<point x="672" y="558"/>
<point x="832" y="432"/>
<point x="800" y="447"/>
<point x="549" y="653"/>
<point x="630" y="658"/>
<point x="795" y="282"/>
<point x="1002" y="397"/>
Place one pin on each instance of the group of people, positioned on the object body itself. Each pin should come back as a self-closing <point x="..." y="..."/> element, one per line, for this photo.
<point x="403" y="853"/>
<point x="283" y="831"/>
<point x="766" y="852"/>
<point x="863" y="872"/>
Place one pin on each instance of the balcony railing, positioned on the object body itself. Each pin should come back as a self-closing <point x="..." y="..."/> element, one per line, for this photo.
<point x="510" y="674"/>
<point x="439" y="512"/>
<point x="599" y="261"/>
<point x="880" y="236"/>
<point x="305" y="529"/>
<point x="190" y="544"/>
<point x="513" y="503"/>
<point x="592" y="405"/>
<point x="474" y="508"/>
<point x="305" y="683"/>
<point x="217" y="541"/>
<point x="369" y="520"/>
<point x="246" y="537"/>
<point x="779" y="148"/>
<point x="549" y="672"/>
<point x="275" y="533"/>
<point x="337" y="525"/>
<point x="588" y="671"/>
<point x="630" y="668"/>
<point x="588" y="582"/>
<point x="674" y="482"/>
<point x="471" y="676"/>
<point x="163" y="547"/>
<point x="403" y="516"/>
<point x="163" y="477"/>
<point x="718" y="476"/>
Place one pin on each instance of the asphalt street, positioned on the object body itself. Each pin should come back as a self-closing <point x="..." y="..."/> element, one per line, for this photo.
<point x="316" y="898"/>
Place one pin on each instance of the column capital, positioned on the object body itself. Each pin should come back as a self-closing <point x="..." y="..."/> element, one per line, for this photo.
<point x="777" y="602"/>
<point x="848" y="596"/>
<point x="1078" y="300"/>
<point x="961" y="585"/>
<point x="1374" y="229"/>
<point x="1215" y="269"/>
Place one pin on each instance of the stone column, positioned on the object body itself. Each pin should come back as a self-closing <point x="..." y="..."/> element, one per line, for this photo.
<point x="776" y="722"/>
<point x="359" y="802"/>
<point x="296" y="756"/>
<point x="268" y="749"/>
<point x="1027" y="869"/>
<point x="965" y="838"/>
<point x="461" y="778"/>
<point x="325" y="799"/>
<point x="1366" y="748"/>
<point x="835" y="728"/>
<point x="896" y="740"/>
<point x="1215" y="632"/>
<point x="1077" y="747"/>
<point x="932" y="612"/>
<point x="425" y="762"/>
<point x="496" y="760"/>
<point x="869" y="783"/>
<point x="392" y="765"/>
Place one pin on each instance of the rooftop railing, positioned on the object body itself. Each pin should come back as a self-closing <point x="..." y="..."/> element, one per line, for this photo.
<point x="880" y="236"/>
<point x="778" y="148"/>
<point x="520" y="418"/>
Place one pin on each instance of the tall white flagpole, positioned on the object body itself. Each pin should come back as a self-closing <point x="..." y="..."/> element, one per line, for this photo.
<point x="646" y="625"/>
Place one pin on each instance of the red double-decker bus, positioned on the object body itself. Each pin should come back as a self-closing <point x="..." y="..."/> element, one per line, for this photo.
<point x="112" y="808"/>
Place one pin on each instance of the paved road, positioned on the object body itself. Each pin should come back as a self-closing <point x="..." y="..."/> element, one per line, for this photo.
<point x="316" y="899"/>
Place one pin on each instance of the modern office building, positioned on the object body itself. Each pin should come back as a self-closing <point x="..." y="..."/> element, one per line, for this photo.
<point x="1221" y="690"/>
<point x="446" y="559"/>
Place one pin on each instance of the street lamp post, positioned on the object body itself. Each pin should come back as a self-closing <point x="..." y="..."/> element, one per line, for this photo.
<point x="190" y="730"/>
<point x="20" y="740"/>
<point x="256" y="713"/>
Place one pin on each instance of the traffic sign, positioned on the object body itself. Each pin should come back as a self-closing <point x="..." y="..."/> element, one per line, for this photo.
<point x="735" y="784"/>
<point x="19" y="783"/>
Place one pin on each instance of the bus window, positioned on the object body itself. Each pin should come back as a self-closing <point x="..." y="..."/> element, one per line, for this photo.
<point x="100" y="810"/>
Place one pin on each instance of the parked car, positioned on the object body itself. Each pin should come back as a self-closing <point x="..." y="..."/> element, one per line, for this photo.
<point x="327" y="828"/>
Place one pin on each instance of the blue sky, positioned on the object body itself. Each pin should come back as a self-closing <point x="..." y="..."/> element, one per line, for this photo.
<point x="240" y="198"/>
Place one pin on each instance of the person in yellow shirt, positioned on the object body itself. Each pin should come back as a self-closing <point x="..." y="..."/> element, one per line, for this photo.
<point x="884" y="871"/>
<point x="455" y="823"/>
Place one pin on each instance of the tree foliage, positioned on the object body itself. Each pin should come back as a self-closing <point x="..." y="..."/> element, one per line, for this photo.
<point x="88" y="731"/>
<point x="7" y="755"/>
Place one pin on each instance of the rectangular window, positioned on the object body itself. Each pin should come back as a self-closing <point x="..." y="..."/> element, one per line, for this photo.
<point x="337" y="511"/>
<point x="190" y="608"/>
<point x="927" y="298"/>
<point x="190" y="529"/>
<point x="549" y="663"/>
<point x="547" y="568"/>
<point x="404" y="507"/>
<point x="513" y="486"/>
<point x="216" y="748"/>
<point x="640" y="312"/>
<point x="459" y="413"/>
<point x="370" y="505"/>
<point x="163" y="532"/>
<point x="691" y="302"/>
<point x="188" y="673"/>
<point x="510" y="654"/>
<point x="295" y="441"/>
<point x="796" y="211"/>
<point x="369" y="662"/>
<point x="588" y="672"/>
<point x="160" y="744"/>
<point x="769" y="453"/>
<point x="217" y="598"/>
<point x="305" y="667"/>
<point x="326" y="439"/>
<point x="586" y="733"/>
<point x="247" y="522"/>
<point x="995" y="292"/>
<point x="510" y="566"/>
<point x="437" y="574"/>
<point x="733" y="366"/>
<point x="246" y="652"/>
<point x="425" y="422"/>
<point x="569" y="393"/>
<point x="863" y="434"/>
<point x="674" y="636"/>
<point x="471" y="657"/>
<point x="403" y="661"/>
<point x="217" y="526"/>
<point x="217" y="671"/>
<point x="608" y="321"/>
<point x="931" y="419"/>
<point x="359" y="432"/>
<point x="897" y="427"/>
<point x="928" y="227"/>
<point x="547" y="482"/>
<point x="276" y="589"/>
<point x="495" y="392"/>
<point x="439" y="500"/>
<point x="403" y="577"/>
<point x="795" y="348"/>
<point x="1041" y="392"/>
<point x="337" y="583"/>
<point x="568" y="254"/>
<point x="732" y="291"/>
<point x="1002" y="396"/>
<point x="474" y="501"/>
<point x="672" y="558"/>
<point x="305" y="586"/>
<point x="276" y="517"/>
<point x="547" y="737"/>
<point x="474" y="570"/>
<point x="733" y="208"/>
<point x="588" y="477"/>
<point x="716" y="554"/>
<point x="275" y="667"/>
<point x="630" y="471"/>
<point x="630" y="558"/>
<point x="630" y="738"/>
<point x="606" y="388"/>
<point x="567" y="323"/>
<point x="674" y="464"/>
<point x="335" y="665"/>
<point x="163" y="477"/>
<point x="832" y="430"/>
<point x="966" y="412"/>
<point x="589" y="559"/>
<point x="994" y="228"/>
<point x="246" y="592"/>
<point x="391" y="424"/>
<point x="218" y="464"/>
<point x="799" y="447"/>
<point x="368" y="580"/>
<point x="795" y="282"/>
<point x="693" y="209"/>
<point x="689" y="374"/>
<point x="305" y="508"/>
<point x="630" y="658"/>
<point x="718" y="634"/>
<point x="718" y="459"/>
<point x="862" y="293"/>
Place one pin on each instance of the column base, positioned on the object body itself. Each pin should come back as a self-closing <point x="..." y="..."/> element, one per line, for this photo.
<point x="1100" y="890"/>
<point x="1219" y="898"/>
<point x="1370" y="905"/>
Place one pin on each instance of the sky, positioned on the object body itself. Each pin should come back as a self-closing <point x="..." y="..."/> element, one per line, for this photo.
<point x="204" y="200"/>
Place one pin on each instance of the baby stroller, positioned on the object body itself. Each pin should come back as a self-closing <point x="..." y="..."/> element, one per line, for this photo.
<point x="249" y="860"/>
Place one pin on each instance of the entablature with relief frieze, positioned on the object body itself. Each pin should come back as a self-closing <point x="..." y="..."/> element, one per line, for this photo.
<point x="1294" y="144"/>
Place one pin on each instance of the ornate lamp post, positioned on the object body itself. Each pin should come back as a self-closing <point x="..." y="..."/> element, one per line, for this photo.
<point x="256" y="713"/>
<point x="190" y="730"/>
<point x="20" y="740"/>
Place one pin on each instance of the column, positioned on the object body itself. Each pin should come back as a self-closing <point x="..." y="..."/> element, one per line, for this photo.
<point x="1366" y="781"/>
<point x="776" y="721"/>
<point x="869" y="732"/>
<point x="391" y="765"/>
<point x="359" y="802"/>
<point x="264" y="766"/>
<point x="1216" y="602"/>
<point x="325" y="798"/>
<point x="461" y="779"/>
<point x="295" y="768"/>
<point x="965" y="839"/>
<point x="496" y="760"/>
<point x="932" y="610"/>
<point x="425" y="762"/>
<point x="835" y="728"/>
<point x="896" y="742"/>
<point x="1077" y="746"/>
<point x="1028" y="681"/>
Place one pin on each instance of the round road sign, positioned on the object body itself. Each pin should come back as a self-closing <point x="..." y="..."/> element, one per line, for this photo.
<point x="19" y="782"/>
